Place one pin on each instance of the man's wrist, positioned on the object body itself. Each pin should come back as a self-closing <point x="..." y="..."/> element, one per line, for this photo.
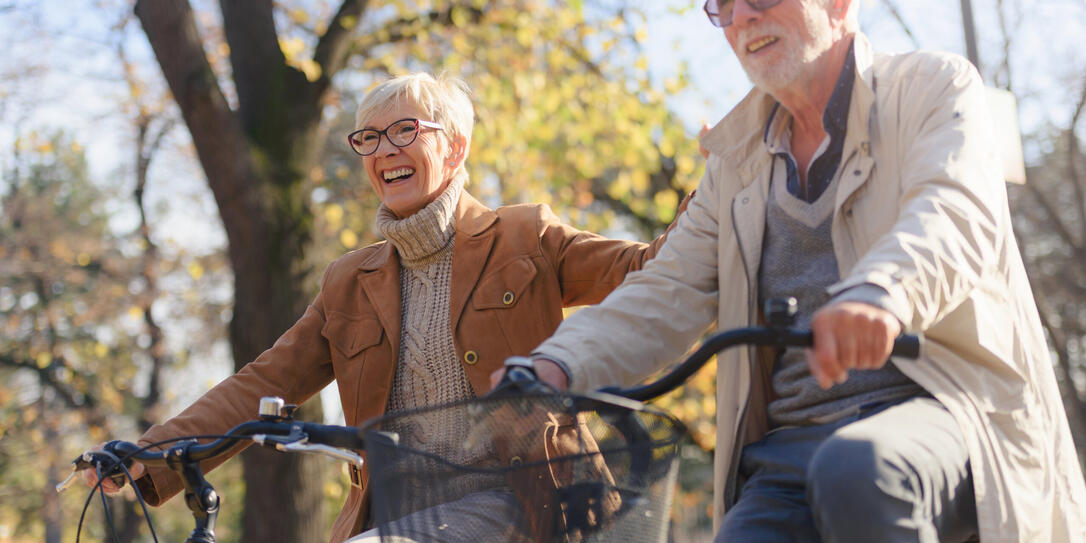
<point x="536" y="357"/>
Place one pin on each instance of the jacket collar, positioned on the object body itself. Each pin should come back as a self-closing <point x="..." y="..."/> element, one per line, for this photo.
<point x="472" y="217"/>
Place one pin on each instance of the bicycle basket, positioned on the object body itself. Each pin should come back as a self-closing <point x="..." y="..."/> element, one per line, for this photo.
<point x="530" y="468"/>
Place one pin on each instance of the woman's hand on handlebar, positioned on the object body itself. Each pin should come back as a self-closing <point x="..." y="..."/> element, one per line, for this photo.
<point x="91" y="477"/>
<point x="850" y="335"/>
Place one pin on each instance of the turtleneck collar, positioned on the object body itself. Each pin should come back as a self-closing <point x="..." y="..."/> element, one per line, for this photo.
<point x="421" y="238"/>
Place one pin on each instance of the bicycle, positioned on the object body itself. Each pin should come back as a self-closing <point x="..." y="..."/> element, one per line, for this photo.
<point x="582" y="467"/>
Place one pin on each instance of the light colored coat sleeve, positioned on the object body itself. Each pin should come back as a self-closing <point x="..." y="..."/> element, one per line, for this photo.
<point x="655" y="314"/>
<point x="952" y="203"/>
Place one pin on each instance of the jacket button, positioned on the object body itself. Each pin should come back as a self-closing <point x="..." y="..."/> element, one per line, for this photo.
<point x="471" y="357"/>
<point x="515" y="461"/>
<point x="508" y="297"/>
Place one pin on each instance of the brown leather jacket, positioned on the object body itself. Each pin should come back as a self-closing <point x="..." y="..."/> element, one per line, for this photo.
<point x="514" y="269"/>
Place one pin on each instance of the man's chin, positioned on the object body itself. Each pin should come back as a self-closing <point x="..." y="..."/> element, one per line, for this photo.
<point x="771" y="81"/>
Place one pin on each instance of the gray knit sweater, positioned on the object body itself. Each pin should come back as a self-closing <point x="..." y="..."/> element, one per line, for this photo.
<point x="428" y="372"/>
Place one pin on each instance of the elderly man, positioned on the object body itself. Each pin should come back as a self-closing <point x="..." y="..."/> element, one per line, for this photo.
<point x="864" y="185"/>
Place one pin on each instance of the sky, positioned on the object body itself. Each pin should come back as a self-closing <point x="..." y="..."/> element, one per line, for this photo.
<point x="72" y="82"/>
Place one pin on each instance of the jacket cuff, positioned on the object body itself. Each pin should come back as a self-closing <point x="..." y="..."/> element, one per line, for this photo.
<point x="561" y="365"/>
<point x="872" y="294"/>
<point x="147" y="490"/>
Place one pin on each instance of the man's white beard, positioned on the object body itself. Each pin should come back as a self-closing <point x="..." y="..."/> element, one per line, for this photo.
<point x="797" y="63"/>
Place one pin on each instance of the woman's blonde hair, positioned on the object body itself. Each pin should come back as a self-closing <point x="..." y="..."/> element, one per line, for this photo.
<point x="445" y="99"/>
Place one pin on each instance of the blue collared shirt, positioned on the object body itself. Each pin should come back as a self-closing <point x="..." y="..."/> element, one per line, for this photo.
<point x="834" y="121"/>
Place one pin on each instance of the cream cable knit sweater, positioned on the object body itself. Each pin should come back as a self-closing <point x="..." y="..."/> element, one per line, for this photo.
<point x="428" y="372"/>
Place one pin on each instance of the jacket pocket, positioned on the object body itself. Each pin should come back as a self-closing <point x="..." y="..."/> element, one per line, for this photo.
<point x="504" y="287"/>
<point x="351" y="334"/>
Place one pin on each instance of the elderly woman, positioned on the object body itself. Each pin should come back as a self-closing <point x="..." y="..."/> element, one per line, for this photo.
<point x="425" y="317"/>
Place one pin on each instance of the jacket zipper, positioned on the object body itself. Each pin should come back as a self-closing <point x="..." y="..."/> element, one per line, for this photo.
<point x="737" y="442"/>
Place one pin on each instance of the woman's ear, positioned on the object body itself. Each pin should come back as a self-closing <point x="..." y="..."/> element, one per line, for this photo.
<point x="457" y="151"/>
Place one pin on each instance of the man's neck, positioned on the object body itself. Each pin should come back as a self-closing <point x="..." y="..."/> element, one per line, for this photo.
<point x="806" y="101"/>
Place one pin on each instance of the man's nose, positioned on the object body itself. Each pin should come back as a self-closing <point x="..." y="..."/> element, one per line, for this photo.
<point x="743" y="14"/>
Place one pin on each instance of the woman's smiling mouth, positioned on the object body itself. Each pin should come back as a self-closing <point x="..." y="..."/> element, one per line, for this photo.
<point x="399" y="174"/>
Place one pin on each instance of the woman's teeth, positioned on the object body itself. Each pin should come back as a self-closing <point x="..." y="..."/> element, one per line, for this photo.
<point x="399" y="173"/>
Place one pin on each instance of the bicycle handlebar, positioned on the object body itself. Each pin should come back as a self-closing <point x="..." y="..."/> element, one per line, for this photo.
<point x="280" y="433"/>
<point x="907" y="346"/>
<point x="323" y="434"/>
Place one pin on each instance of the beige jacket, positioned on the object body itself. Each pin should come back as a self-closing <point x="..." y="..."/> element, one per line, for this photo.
<point x="921" y="210"/>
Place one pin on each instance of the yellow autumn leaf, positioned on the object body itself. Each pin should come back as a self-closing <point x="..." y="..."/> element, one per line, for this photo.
<point x="100" y="349"/>
<point x="348" y="22"/>
<point x="333" y="213"/>
<point x="135" y="311"/>
<point x="291" y="47"/>
<point x="196" y="271"/>
<point x="348" y="238"/>
<point x="666" y="201"/>
<point x="310" y="68"/>
<point x="299" y="16"/>
<point x="43" y="360"/>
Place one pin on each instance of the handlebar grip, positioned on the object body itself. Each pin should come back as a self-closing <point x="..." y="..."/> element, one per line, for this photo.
<point x="907" y="346"/>
<point x="344" y="437"/>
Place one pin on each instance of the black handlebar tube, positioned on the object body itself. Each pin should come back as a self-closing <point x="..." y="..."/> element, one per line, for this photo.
<point x="334" y="436"/>
<point x="906" y="346"/>
<point x="184" y="459"/>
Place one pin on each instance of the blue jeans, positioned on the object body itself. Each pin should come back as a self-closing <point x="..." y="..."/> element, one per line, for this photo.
<point x="897" y="472"/>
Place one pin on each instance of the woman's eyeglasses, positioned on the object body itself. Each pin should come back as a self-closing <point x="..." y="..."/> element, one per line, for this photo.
<point x="400" y="133"/>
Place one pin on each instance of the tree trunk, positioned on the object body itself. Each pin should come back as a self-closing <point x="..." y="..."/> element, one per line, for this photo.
<point x="255" y="160"/>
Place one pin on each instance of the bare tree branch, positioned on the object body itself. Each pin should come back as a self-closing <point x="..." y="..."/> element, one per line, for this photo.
<point x="896" y="14"/>
<point x="334" y="47"/>
<point x="216" y="133"/>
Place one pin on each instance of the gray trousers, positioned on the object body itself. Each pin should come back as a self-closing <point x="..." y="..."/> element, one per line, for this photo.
<point x="891" y="473"/>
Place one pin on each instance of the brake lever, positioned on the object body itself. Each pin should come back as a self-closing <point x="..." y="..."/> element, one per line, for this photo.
<point x="91" y="459"/>
<point x="298" y="441"/>
<point x="296" y="435"/>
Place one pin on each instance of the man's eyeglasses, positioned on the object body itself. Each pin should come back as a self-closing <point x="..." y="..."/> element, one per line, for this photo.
<point x="720" y="13"/>
<point x="400" y="133"/>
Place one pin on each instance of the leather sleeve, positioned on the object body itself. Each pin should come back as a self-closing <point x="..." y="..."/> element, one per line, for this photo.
<point x="295" y="368"/>
<point x="589" y="266"/>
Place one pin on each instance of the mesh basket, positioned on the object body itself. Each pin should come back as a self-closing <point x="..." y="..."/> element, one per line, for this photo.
<point x="531" y="468"/>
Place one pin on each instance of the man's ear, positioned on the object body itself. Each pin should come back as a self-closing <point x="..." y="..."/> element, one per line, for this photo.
<point x="839" y="8"/>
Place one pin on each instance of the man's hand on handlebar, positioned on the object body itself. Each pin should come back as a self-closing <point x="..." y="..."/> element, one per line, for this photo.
<point x="849" y="335"/>
<point x="108" y="485"/>
<point x="546" y="370"/>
